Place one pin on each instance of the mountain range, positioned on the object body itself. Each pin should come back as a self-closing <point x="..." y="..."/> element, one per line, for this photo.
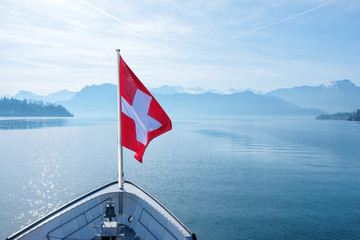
<point x="337" y="96"/>
<point x="101" y="100"/>
<point x="94" y="101"/>
<point x="52" y="98"/>
<point x="165" y="89"/>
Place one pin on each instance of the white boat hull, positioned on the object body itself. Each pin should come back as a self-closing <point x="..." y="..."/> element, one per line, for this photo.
<point x="138" y="216"/>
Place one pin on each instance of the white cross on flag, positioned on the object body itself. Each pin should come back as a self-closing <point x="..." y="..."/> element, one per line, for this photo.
<point x="142" y="118"/>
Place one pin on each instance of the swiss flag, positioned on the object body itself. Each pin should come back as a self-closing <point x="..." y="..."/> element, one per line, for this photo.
<point x="142" y="118"/>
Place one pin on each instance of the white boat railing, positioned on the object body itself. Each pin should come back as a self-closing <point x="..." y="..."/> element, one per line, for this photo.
<point x="46" y="217"/>
<point x="91" y="217"/>
<point x="158" y="202"/>
<point x="77" y="216"/>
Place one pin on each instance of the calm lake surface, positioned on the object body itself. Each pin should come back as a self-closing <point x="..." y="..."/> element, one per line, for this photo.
<point x="245" y="178"/>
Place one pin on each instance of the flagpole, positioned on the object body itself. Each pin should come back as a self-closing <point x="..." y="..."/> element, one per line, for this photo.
<point x="120" y="152"/>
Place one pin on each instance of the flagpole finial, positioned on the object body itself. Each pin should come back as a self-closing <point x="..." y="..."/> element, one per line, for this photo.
<point x="117" y="50"/>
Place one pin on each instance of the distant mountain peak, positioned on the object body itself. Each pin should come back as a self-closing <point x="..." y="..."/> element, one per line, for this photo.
<point x="166" y="89"/>
<point x="54" y="97"/>
<point x="336" y="96"/>
<point x="22" y="94"/>
<point x="340" y="84"/>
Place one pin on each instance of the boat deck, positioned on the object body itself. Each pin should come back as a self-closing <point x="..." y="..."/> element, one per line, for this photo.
<point x="138" y="216"/>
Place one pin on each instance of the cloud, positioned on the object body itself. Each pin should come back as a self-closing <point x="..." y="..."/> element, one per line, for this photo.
<point x="49" y="44"/>
<point x="280" y="21"/>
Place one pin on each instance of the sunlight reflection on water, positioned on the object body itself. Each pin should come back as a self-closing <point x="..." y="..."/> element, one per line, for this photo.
<point x="32" y="123"/>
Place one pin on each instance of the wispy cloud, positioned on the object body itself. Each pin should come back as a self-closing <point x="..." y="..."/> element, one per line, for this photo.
<point x="56" y="44"/>
<point x="280" y="21"/>
<point x="32" y="63"/>
<point x="136" y="30"/>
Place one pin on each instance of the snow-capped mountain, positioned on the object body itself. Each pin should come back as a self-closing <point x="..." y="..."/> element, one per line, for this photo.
<point x="336" y="96"/>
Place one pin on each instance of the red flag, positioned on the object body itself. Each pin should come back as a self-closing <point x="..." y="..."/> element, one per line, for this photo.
<point x="142" y="118"/>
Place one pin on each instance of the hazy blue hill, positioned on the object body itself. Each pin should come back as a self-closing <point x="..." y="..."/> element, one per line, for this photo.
<point x="244" y="103"/>
<point x="27" y="95"/>
<point x="95" y="100"/>
<point x="52" y="98"/>
<point x="59" y="96"/>
<point x="335" y="116"/>
<point x="17" y="108"/>
<point x="355" y="116"/>
<point x="338" y="96"/>
<point x="101" y="101"/>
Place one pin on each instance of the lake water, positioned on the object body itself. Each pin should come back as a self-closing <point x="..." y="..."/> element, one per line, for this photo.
<point x="245" y="178"/>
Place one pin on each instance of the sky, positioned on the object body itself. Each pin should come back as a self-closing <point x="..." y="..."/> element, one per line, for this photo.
<point x="51" y="45"/>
